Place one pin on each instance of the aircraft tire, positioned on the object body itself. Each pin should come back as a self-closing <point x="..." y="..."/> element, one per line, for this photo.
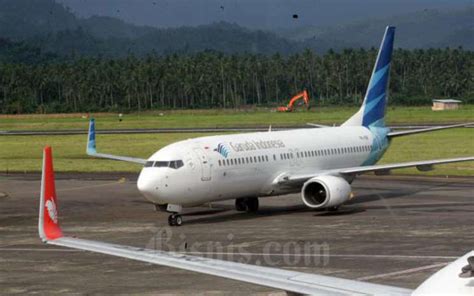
<point x="252" y="204"/>
<point x="240" y="204"/>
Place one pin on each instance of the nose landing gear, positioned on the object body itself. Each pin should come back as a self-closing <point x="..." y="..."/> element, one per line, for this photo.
<point x="175" y="220"/>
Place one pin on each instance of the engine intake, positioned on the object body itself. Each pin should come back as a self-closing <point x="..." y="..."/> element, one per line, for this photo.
<point x="325" y="192"/>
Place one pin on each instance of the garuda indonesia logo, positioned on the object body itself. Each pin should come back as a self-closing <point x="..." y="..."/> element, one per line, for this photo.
<point x="222" y="149"/>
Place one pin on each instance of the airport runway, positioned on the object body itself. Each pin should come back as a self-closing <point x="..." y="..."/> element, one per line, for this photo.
<point x="178" y="130"/>
<point x="397" y="231"/>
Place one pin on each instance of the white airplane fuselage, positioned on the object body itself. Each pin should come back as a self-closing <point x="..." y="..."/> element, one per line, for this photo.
<point x="247" y="165"/>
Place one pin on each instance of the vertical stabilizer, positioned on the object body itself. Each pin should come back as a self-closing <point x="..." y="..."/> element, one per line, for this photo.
<point x="372" y="112"/>
<point x="48" y="225"/>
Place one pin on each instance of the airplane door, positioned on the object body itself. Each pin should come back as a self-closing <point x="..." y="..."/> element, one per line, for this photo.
<point x="295" y="153"/>
<point x="205" y="165"/>
<point x="293" y="159"/>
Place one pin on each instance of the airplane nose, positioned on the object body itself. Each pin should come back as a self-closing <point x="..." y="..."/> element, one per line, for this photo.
<point x="146" y="184"/>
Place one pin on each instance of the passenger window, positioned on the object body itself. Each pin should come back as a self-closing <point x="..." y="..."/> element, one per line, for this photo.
<point x="148" y="164"/>
<point x="266" y="157"/>
<point x="274" y="157"/>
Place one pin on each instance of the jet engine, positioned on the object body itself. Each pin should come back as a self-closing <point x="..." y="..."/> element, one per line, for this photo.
<point x="325" y="192"/>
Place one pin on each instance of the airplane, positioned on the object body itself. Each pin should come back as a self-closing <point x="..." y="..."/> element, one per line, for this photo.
<point x="321" y="163"/>
<point x="457" y="278"/>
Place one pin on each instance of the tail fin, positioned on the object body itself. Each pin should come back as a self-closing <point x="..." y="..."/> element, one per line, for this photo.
<point x="91" y="149"/>
<point x="48" y="224"/>
<point x="372" y="112"/>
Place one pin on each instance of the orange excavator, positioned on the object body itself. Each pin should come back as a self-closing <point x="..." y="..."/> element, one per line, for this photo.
<point x="289" y="108"/>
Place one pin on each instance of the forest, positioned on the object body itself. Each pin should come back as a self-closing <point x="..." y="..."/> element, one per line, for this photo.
<point x="211" y="79"/>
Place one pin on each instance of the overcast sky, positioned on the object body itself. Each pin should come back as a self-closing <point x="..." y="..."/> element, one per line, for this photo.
<point x="253" y="13"/>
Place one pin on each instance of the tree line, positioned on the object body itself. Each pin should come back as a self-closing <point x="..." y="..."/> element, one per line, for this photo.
<point x="214" y="80"/>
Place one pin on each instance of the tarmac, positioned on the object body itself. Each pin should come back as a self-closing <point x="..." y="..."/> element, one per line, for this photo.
<point x="396" y="231"/>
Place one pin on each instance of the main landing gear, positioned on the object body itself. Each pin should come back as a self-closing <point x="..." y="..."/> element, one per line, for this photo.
<point x="175" y="220"/>
<point x="247" y="204"/>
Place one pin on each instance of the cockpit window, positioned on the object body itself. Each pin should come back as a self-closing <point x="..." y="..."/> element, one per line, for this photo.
<point x="149" y="164"/>
<point x="174" y="164"/>
<point x="161" y="164"/>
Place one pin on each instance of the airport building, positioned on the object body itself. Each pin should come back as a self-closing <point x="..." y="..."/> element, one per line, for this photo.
<point x="448" y="104"/>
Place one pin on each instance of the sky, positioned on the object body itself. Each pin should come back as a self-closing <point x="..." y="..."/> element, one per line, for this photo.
<point x="263" y="14"/>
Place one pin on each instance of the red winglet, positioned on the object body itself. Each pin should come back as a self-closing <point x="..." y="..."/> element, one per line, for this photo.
<point x="48" y="226"/>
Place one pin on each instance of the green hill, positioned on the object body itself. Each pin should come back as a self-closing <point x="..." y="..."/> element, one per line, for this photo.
<point x="425" y="29"/>
<point x="47" y="28"/>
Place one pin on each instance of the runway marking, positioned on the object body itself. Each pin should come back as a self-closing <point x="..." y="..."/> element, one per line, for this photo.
<point x="406" y="271"/>
<point x="121" y="181"/>
<point x="442" y="203"/>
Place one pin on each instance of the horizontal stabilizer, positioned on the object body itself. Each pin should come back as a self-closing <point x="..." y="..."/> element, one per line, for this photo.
<point x="425" y="130"/>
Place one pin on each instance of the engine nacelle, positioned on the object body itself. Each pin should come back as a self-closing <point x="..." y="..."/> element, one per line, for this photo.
<point x="325" y="192"/>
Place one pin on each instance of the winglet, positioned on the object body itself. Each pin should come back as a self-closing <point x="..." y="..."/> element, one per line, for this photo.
<point x="91" y="149"/>
<point x="48" y="224"/>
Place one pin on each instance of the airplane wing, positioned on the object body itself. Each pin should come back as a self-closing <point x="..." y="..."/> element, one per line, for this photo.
<point x="92" y="151"/>
<point x="317" y="125"/>
<point x="291" y="281"/>
<point x="424" y="130"/>
<point x="381" y="169"/>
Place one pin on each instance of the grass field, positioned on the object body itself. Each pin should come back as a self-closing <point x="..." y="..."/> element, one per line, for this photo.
<point x="23" y="153"/>
<point x="227" y="118"/>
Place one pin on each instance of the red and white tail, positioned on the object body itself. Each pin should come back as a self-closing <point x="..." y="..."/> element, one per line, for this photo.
<point x="48" y="224"/>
